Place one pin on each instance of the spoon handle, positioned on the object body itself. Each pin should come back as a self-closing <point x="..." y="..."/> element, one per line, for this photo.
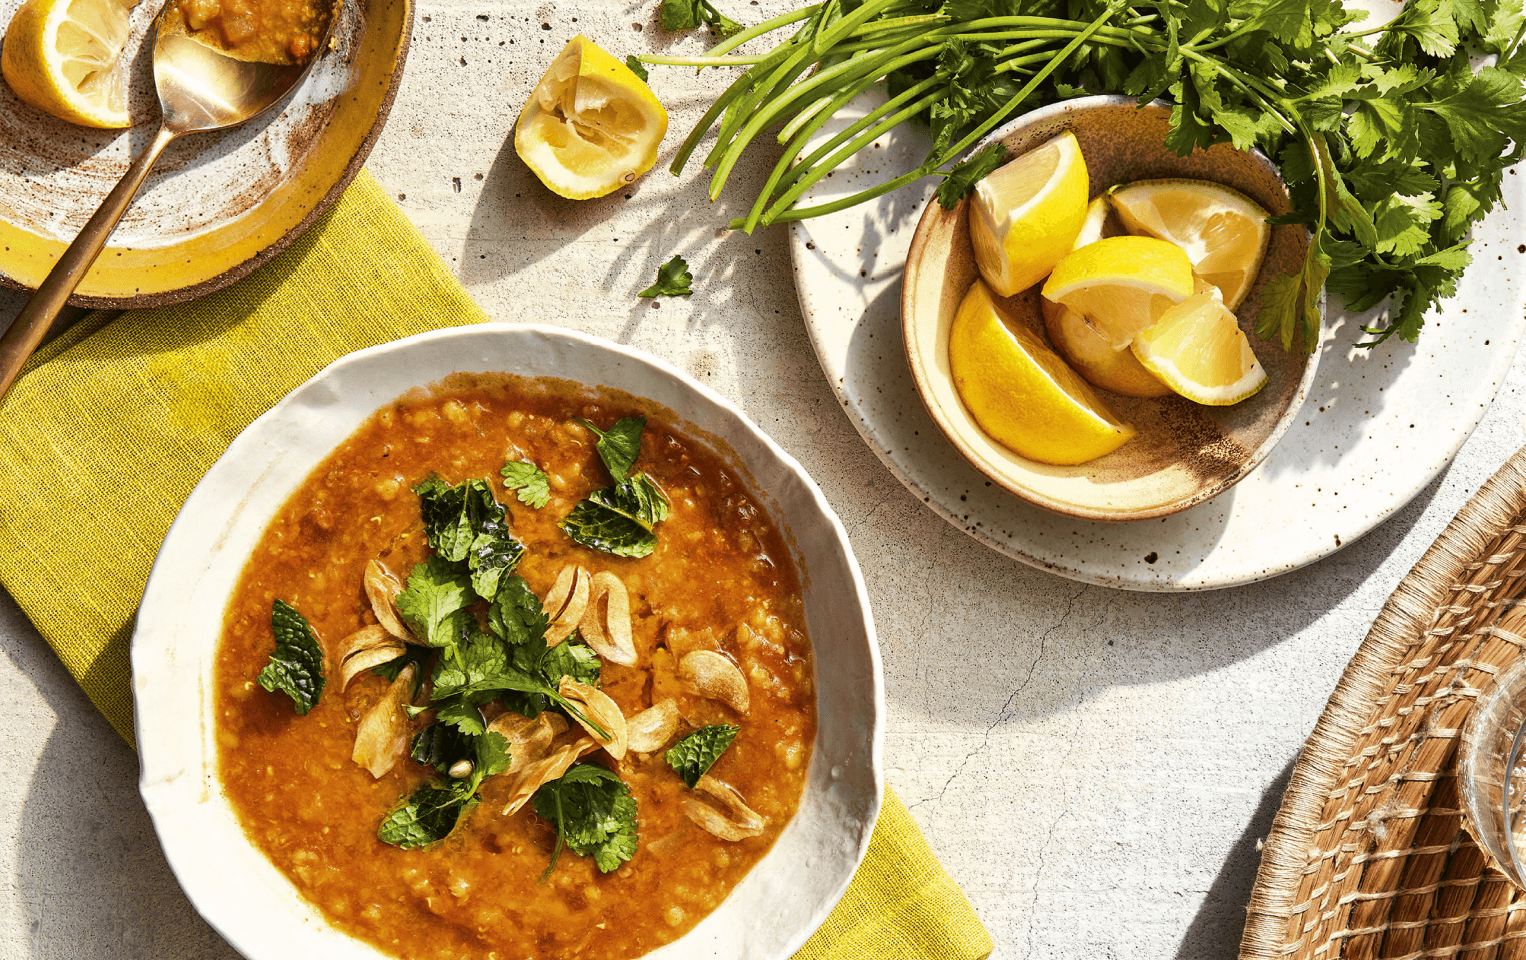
<point x="32" y="324"/>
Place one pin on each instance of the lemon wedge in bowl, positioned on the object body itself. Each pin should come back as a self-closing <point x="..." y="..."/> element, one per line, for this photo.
<point x="1121" y="285"/>
<point x="1021" y="392"/>
<point x="1198" y="350"/>
<point x="1094" y="358"/>
<point x="591" y="126"/>
<point x="1223" y="232"/>
<point x="61" y="57"/>
<point x="1025" y="214"/>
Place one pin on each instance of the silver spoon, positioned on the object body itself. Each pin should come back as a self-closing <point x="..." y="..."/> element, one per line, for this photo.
<point x="200" y="89"/>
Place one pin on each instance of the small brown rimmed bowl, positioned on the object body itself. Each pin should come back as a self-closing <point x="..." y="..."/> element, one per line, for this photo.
<point x="1185" y="453"/>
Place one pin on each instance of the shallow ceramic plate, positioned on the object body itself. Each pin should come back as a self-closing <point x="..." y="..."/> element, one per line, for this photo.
<point x="775" y="907"/>
<point x="1185" y="453"/>
<point x="1378" y="425"/>
<point x="217" y="205"/>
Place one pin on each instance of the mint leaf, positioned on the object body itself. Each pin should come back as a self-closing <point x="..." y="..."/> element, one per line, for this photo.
<point x="637" y="67"/>
<point x="695" y="754"/>
<point x="673" y="277"/>
<point x="530" y="484"/>
<point x="466" y="522"/>
<point x="619" y="519"/>
<point x="434" y="602"/>
<point x="620" y="445"/>
<point x="965" y="174"/>
<point x="296" y="664"/>
<point x="594" y="815"/>
<point x="430" y="814"/>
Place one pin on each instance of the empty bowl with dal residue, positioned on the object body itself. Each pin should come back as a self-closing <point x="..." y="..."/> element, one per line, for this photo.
<point x="1185" y="453"/>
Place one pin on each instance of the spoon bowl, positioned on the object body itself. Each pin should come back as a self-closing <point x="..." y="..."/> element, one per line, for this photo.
<point x="201" y="88"/>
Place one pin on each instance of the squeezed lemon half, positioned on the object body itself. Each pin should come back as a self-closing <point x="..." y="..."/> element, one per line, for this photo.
<point x="1198" y="350"/>
<point x="1223" y="232"/>
<point x="591" y="126"/>
<point x="1022" y="393"/>
<point x="1121" y="284"/>
<point x="1025" y="215"/>
<point x="61" y="57"/>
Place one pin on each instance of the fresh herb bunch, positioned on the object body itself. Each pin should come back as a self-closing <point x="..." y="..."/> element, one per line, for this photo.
<point x="1392" y="142"/>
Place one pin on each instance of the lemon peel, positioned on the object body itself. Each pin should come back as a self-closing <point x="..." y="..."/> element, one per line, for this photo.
<point x="61" y="57"/>
<point x="591" y="126"/>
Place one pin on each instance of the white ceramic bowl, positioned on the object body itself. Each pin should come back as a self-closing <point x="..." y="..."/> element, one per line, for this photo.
<point x="239" y="892"/>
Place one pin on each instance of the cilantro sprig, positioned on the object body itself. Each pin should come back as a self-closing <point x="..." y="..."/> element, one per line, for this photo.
<point x="528" y="482"/>
<point x="594" y="815"/>
<point x="1393" y="139"/>
<point x="677" y="15"/>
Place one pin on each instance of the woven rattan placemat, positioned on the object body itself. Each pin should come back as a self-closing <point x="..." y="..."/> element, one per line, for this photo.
<point x="1368" y="857"/>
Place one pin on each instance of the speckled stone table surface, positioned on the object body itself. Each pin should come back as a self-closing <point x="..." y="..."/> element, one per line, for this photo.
<point x="1094" y="767"/>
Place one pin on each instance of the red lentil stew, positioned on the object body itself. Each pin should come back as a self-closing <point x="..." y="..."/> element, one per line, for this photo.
<point x="519" y="671"/>
<point x="260" y="31"/>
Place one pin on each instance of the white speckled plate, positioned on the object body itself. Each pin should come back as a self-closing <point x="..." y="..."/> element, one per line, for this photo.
<point x="775" y="907"/>
<point x="1376" y="426"/>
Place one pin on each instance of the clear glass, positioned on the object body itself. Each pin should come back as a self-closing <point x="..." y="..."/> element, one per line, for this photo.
<point x="1491" y="776"/>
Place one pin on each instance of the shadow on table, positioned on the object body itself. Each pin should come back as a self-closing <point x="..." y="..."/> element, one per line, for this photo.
<point x="90" y="880"/>
<point x="1214" y="932"/>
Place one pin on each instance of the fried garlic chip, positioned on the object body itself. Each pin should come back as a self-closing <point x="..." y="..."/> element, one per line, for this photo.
<point x="565" y="603"/>
<point x="529" y="740"/>
<point x="713" y="676"/>
<point x="382" y="737"/>
<point x="366" y="648"/>
<point x="544" y="770"/>
<point x="609" y="633"/>
<point x="602" y="711"/>
<point x="651" y="729"/>
<point x="382" y="588"/>
<point x="737" y="823"/>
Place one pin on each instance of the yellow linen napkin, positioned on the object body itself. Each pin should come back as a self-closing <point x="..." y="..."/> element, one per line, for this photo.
<point x="112" y="424"/>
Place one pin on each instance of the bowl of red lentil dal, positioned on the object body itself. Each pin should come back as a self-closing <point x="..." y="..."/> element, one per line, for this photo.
<point x="270" y="819"/>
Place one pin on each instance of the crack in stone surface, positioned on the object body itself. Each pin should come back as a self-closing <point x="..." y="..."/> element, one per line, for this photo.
<point x="1006" y="711"/>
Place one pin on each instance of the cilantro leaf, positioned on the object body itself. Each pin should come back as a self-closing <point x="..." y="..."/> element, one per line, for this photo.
<point x="434" y="602"/>
<point x="965" y="174"/>
<point x="673" y="277"/>
<point x="296" y="664"/>
<point x="695" y="754"/>
<point x="637" y="67"/>
<point x="619" y="519"/>
<point x="594" y="815"/>
<point x="466" y="522"/>
<point x="677" y="15"/>
<point x="530" y="484"/>
<point x="430" y="814"/>
<point x="620" y="445"/>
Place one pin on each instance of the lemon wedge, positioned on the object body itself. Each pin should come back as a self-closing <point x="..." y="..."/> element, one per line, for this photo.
<point x="1198" y="350"/>
<point x="1121" y="284"/>
<point x="1021" y="392"/>
<point x="1025" y="215"/>
<point x="1090" y="354"/>
<point x="1223" y="232"/>
<point x="591" y="126"/>
<point x="1099" y="224"/>
<point x="61" y="57"/>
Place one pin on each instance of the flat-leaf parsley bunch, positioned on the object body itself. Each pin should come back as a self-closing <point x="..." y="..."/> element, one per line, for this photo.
<point x="1393" y="139"/>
